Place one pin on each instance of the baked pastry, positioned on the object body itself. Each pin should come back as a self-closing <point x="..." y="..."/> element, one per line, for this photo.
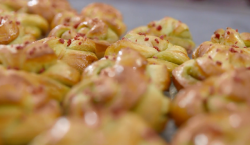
<point x="11" y="32"/>
<point x="48" y="8"/>
<point x="12" y="5"/>
<point x="155" y="49"/>
<point x="230" y="38"/>
<point x="228" y="92"/>
<point x="33" y="24"/>
<point x="96" y="129"/>
<point x="27" y="24"/>
<point x="94" y="29"/>
<point x="67" y="18"/>
<point x="26" y="108"/>
<point x="107" y="13"/>
<point x="40" y="59"/>
<point x="169" y="29"/>
<point x="37" y="58"/>
<point x="212" y="58"/>
<point x="231" y="128"/>
<point x="129" y="57"/>
<point x="120" y="88"/>
<point x="78" y="52"/>
<point x="53" y="88"/>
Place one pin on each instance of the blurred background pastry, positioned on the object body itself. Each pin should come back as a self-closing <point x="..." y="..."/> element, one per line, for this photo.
<point x="47" y="8"/>
<point x="226" y="51"/>
<point x="26" y="107"/>
<point x="20" y="28"/>
<point x="225" y="93"/>
<point x="100" y="129"/>
<point x="229" y="128"/>
<point x="122" y="87"/>
<point x="40" y="59"/>
<point x="107" y="13"/>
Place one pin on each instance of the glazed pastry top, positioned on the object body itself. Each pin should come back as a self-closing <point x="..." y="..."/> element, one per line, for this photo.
<point x="78" y="52"/>
<point x="158" y="73"/>
<point x="94" y="29"/>
<point x="100" y="129"/>
<point x="229" y="128"/>
<point x="227" y="39"/>
<point x="227" y="92"/>
<point x="24" y="103"/>
<point x="110" y="15"/>
<point x="9" y="30"/>
<point x="48" y="8"/>
<point x="169" y="29"/>
<point x="12" y="5"/>
<point x="37" y="58"/>
<point x="155" y="49"/>
<point x="124" y="86"/>
<point x="214" y="58"/>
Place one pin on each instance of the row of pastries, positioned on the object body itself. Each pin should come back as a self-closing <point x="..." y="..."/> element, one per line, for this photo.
<point x="69" y="78"/>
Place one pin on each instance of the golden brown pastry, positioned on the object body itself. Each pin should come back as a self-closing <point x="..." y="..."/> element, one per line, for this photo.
<point x="28" y="25"/>
<point x="107" y="13"/>
<point x="228" y="92"/>
<point x="67" y="18"/>
<point x="78" y="52"/>
<point x="123" y="87"/>
<point x="155" y="49"/>
<point x="158" y="73"/>
<point x="212" y="58"/>
<point x="26" y="107"/>
<point x="48" y="8"/>
<point x="231" y="38"/>
<point x="94" y="29"/>
<point x="100" y="129"/>
<point x="40" y="59"/>
<point x="11" y="32"/>
<point x="54" y="89"/>
<point x="230" y="128"/>
<point x="33" y="24"/>
<point x="12" y="5"/>
<point x="169" y="29"/>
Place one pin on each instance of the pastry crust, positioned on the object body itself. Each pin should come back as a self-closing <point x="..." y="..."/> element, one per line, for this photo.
<point x="107" y="13"/>
<point x="94" y="29"/>
<point x="78" y="52"/>
<point x="159" y="74"/>
<point x="124" y="86"/>
<point x="9" y="30"/>
<point x="230" y="38"/>
<point x="228" y="92"/>
<point x="39" y="58"/>
<point x="67" y="18"/>
<point x="156" y="50"/>
<point x="12" y="5"/>
<point x="223" y="128"/>
<point x="12" y="32"/>
<point x="19" y="28"/>
<point x="25" y="102"/>
<point x="48" y="8"/>
<point x="169" y="29"/>
<point x="106" y="129"/>
<point x="214" y="58"/>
